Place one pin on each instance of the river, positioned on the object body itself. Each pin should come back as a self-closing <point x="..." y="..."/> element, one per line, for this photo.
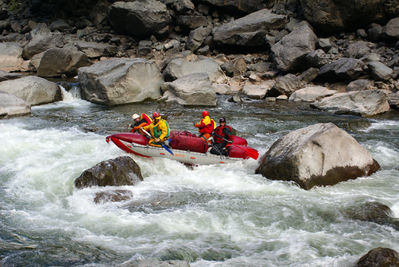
<point x="207" y="215"/>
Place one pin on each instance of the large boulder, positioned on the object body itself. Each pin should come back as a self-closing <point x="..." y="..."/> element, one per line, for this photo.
<point x="286" y="85"/>
<point x="317" y="155"/>
<point x="11" y="57"/>
<point x="380" y="71"/>
<point x="289" y="53"/>
<point x="257" y="90"/>
<point x="10" y="105"/>
<point x="41" y="39"/>
<point x="33" y="90"/>
<point x="249" y="30"/>
<point x="58" y="61"/>
<point x="378" y="257"/>
<point x="197" y="37"/>
<point x="311" y="93"/>
<point x="336" y="15"/>
<point x="180" y="67"/>
<point x="139" y="18"/>
<point x="191" y="90"/>
<point x="120" y="81"/>
<point x="114" y="172"/>
<point x="365" y="103"/>
<point x="343" y="69"/>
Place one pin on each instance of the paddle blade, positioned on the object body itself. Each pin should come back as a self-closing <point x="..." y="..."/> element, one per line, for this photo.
<point x="167" y="149"/>
<point x="251" y="152"/>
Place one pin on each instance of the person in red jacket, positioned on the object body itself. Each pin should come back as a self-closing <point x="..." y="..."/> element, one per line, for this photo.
<point x="139" y="122"/>
<point x="221" y="137"/>
<point x="206" y="126"/>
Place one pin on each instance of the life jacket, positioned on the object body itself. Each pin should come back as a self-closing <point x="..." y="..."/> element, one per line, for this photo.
<point x="206" y="125"/>
<point x="160" y="130"/>
<point x="146" y="118"/>
<point x="219" y="135"/>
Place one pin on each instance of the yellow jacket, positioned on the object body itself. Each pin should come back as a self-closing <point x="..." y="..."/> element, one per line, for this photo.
<point x="159" y="130"/>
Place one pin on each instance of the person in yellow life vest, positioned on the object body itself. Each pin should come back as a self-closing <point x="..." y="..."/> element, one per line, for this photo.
<point x="139" y="122"/>
<point x="159" y="129"/>
<point x="206" y="126"/>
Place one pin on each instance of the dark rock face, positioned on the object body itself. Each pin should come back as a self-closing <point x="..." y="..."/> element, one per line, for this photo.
<point x="57" y="61"/>
<point x="378" y="257"/>
<point x="320" y="154"/>
<point x="343" y="69"/>
<point x="140" y="18"/>
<point x="246" y="6"/>
<point x="114" y="172"/>
<point x="336" y="15"/>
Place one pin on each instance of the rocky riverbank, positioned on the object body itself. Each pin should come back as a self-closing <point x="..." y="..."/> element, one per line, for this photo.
<point x="337" y="60"/>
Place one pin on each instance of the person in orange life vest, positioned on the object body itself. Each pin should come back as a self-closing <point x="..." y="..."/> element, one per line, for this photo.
<point x="221" y="137"/>
<point x="206" y="126"/>
<point x="139" y="122"/>
<point x="159" y="129"/>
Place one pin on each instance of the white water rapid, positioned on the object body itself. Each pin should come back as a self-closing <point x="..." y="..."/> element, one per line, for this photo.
<point x="208" y="215"/>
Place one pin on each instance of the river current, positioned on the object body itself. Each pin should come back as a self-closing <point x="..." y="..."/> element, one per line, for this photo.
<point x="207" y="215"/>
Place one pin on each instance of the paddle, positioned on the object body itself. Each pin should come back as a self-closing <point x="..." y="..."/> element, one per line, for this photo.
<point x="162" y="143"/>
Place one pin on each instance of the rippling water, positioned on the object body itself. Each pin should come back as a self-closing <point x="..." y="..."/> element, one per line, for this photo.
<point x="209" y="215"/>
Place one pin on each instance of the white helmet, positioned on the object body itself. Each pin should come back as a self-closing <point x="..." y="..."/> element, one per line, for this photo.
<point x="135" y="116"/>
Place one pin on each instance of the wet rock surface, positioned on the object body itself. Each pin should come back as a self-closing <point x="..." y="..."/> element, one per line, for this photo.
<point x="114" y="172"/>
<point x="379" y="257"/>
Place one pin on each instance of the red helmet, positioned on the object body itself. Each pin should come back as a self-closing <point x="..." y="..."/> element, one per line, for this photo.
<point x="205" y="113"/>
<point x="156" y="115"/>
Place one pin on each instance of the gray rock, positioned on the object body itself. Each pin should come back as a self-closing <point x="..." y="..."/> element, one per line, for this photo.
<point x="144" y="47"/>
<point x="113" y="172"/>
<point x="247" y="6"/>
<point x="59" y="25"/>
<point x="257" y="90"/>
<point x="393" y="100"/>
<point x="4" y="76"/>
<point x="286" y="85"/>
<point x="192" y="21"/>
<point x="358" y="49"/>
<point x="379" y="257"/>
<point x="380" y="71"/>
<point x="310" y="94"/>
<point x="365" y="103"/>
<point x="392" y="28"/>
<point x="99" y="12"/>
<point x="197" y="37"/>
<point x="289" y="53"/>
<point x="58" y="61"/>
<point x="11" y="56"/>
<point x="181" y="6"/>
<point x="309" y="75"/>
<point x="180" y="67"/>
<point x="375" y="32"/>
<point x="316" y="58"/>
<point x="249" y="30"/>
<point x="11" y="105"/>
<point x="361" y="84"/>
<point x="320" y="154"/>
<point x="120" y="81"/>
<point x="324" y="44"/>
<point x="33" y="90"/>
<point x="191" y="90"/>
<point x="333" y="15"/>
<point x="343" y="69"/>
<point x="41" y="40"/>
<point x="147" y="16"/>
<point x="96" y="50"/>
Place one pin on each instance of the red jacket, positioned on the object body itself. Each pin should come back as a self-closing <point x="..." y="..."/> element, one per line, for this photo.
<point x="206" y="125"/>
<point x="222" y="132"/>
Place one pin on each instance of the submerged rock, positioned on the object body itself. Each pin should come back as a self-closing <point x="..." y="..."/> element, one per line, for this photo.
<point x="120" y="81"/>
<point x="33" y="90"/>
<point x="379" y="257"/>
<point x="320" y="154"/>
<point x="113" y="196"/>
<point x="113" y="172"/>
<point x="365" y="103"/>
